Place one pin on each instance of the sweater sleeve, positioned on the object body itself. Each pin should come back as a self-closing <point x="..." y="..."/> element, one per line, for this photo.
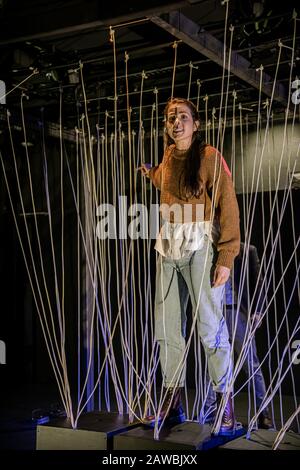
<point x="224" y="198"/>
<point x="155" y="173"/>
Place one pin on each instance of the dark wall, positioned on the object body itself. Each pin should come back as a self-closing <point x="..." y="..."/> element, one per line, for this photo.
<point x="27" y="357"/>
<point x="267" y="214"/>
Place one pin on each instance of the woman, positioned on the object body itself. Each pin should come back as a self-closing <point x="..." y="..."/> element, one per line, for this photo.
<point x="198" y="242"/>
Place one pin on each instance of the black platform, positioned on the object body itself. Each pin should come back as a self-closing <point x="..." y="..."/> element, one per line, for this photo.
<point x="95" y="431"/>
<point x="263" y="440"/>
<point x="111" y="431"/>
<point x="189" y="435"/>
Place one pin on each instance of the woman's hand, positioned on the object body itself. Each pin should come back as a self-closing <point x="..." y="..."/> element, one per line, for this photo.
<point x="145" y="168"/>
<point x="221" y="276"/>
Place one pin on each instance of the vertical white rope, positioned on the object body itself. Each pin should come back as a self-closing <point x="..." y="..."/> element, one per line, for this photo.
<point x="100" y="260"/>
<point x="39" y="305"/>
<point x="280" y="163"/>
<point x="242" y="165"/>
<point x="175" y="45"/>
<point x="205" y="99"/>
<point x="198" y="94"/>
<point x="191" y="66"/>
<point x="213" y="118"/>
<point x="42" y="318"/>
<point x="61" y="318"/>
<point x="220" y="139"/>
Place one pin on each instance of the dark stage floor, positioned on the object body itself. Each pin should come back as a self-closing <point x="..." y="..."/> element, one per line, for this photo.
<point x="18" y="406"/>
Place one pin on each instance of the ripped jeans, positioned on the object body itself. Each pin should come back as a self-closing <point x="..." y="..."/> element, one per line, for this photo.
<point x="175" y="281"/>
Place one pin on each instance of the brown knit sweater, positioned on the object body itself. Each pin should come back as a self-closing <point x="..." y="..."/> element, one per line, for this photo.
<point x="217" y="192"/>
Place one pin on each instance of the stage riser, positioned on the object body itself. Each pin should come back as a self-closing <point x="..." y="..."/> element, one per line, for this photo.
<point x="95" y="431"/>
<point x="71" y="439"/>
<point x="110" y="431"/>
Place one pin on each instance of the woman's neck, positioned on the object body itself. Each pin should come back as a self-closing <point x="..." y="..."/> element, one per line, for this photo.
<point x="182" y="146"/>
<point x="180" y="154"/>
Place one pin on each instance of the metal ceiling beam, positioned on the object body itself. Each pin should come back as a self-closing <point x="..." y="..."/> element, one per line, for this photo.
<point x="94" y="25"/>
<point x="190" y="33"/>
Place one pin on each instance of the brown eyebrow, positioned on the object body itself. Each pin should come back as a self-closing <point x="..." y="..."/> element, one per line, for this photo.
<point x="176" y="113"/>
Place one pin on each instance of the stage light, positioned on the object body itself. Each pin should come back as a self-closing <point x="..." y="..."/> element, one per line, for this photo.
<point x="2" y="92"/>
<point x="73" y="76"/>
<point x="52" y="75"/>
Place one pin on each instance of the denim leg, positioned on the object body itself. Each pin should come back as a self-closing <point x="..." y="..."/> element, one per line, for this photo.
<point x="259" y="381"/>
<point x="171" y="299"/>
<point x="251" y="363"/>
<point x="211" y="323"/>
<point x="210" y="397"/>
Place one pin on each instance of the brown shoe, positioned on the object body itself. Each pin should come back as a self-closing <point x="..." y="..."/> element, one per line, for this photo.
<point x="171" y="411"/>
<point x="264" y="421"/>
<point x="227" y="427"/>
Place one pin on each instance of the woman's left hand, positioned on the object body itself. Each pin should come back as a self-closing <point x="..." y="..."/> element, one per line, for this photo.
<point x="221" y="276"/>
<point x="145" y="168"/>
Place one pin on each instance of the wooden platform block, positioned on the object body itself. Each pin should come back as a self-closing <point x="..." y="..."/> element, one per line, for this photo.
<point x="189" y="435"/>
<point x="263" y="440"/>
<point x="95" y="431"/>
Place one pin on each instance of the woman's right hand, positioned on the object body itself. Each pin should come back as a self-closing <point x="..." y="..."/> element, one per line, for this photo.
<point x="145" y="168"/>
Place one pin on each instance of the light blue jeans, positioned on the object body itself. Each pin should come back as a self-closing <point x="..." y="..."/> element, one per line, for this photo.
<point x="251" y="364"/>
<point x="175" y="281"/>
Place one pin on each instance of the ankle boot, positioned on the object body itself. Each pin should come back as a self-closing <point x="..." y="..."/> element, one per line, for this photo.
<point x="265" y="421"/>
<point x="171" y="411"/>
<point x="227" y="427"/>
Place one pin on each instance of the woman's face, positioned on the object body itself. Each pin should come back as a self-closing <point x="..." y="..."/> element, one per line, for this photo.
<point x="180" y="124"/>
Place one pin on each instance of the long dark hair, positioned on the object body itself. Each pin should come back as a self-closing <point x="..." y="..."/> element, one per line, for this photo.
<point x="191" y="171"/>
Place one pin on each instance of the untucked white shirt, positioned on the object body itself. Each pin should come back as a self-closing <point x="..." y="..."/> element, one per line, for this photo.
<point x="176" y="240"/>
